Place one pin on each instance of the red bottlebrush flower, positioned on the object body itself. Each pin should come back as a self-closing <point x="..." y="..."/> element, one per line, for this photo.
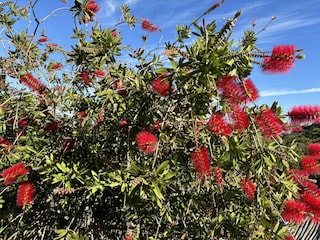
<point x="161" y="85"/>
<point x="123" y="123"/>
<point x="310" y="164"/>
<point x="114" y="33"/>
<point x="314" y="149"/>
<point x="121" y="89"/>
<point x="311" y="199"/>
<point x="146" y="141"/>
<point x="84" y="75"/>
<point x="156" y="125"/>
<point x="4" y="142"/>
<point x="231" y="90"/>
<point x="22" y="122"/>
<point x="251" y="92"/>
<point x="68" y="144"/>
<point x="201" y="161"/>
<point x="269" y="123"/>
<point x="240" y="118"/>
<point x="218" y="176"/>
<point x="310" y="187"/>
<point x="300" y="114"/>
<point x="148" y="26"/>
<point x="99" y="73"/>
<point x="92" y="7"/>
<point x="299" y="176"/>
<point x="128" y="237"/>
<point x="52" y="45"/>
<point x="10" y="174"/>
<point x="289" y="238"/>
<point x="57" y="66"/>
<point x="218" y="125"/>
<point x="248" y="188"/>
<point x="43" y="39"/>
<point x="280" y="61"/>
<point x="33" y="83"/>
<point x="294" y="211"/>
<point x="50" y="126"/>
<point x="25" y="194"/>
<point x="81" y="114"/>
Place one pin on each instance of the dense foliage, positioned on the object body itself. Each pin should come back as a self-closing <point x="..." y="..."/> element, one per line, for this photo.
<point x="102" y="141"/>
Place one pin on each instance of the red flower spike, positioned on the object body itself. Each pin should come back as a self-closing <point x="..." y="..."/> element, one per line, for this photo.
<point x="33" y="83"/>
<point x="4" y="142"/>
<point x="128" y="237"/>
<point x="146" y="141"/>
<point x="311" y="200"/>
<point x="269" y="123"/>
<point x="248" y="188"/>
<point x="82" y="114"/>
<point x="161" y="85"/>
<point x="310" y="164"/>
<point x="251" y="92"/>
<point x="218" y="125"/>
<point x="84" y="75"/>
<point x="123" y="123"/>
<point x="10" y="174"/>
<point x="99" y="73"/>
<point x="42" y="39"/>
<point x="68" y="144"/>
<point x="121" y="89"/>
<point x="280" y="61"/>
<point x="50" y="126"/>
<point x="240" y="118"/>
<point x="92" y="7"/>
<point x="231" y="90"/>
<point x="114" y="33"/>
<point x="148" y="26"/>
<point x="294" y="211"/>
<point x="57" y="66"/>
<point x="314" y="149"/>
<point x="201" y="161"/>
<point x="289" y="238"/>
<point x="301" y="114"/>
<point x="218" y="176"/>
<point x="25" y="194"/>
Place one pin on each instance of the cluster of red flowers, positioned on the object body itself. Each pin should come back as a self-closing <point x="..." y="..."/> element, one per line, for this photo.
<point x="56" y="66"/>
<point x="308" y="203"/>
<point x="269" y="123"/>
<point x="26" y="189"/>
<point x="146" y="141"/>
<point x="50" y="126"/>
<point x="33" y="83"/>
<point x="281" y="60"/>
<point x="248" y="188"/>
<point x="201" y="161"/>
<point x="237" y="92"/>
<point x="304" y="114"/>
<point x="161" y="85"/>
<point x="99" y="73"/>
<point x="92" y="7"/>
<point x="148" y="26"/>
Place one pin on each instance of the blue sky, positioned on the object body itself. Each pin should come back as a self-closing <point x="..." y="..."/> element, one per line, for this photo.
<point x="297" y="22"/>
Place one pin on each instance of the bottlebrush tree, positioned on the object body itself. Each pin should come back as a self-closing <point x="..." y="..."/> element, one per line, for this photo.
<point x="166" y="144"/>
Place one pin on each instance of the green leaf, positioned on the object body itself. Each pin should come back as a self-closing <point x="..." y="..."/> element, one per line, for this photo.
<point x="162" y="166"/>
<point x="157" y="191"/>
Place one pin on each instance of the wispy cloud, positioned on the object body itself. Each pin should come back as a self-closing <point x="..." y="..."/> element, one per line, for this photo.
<point x="269" y="93"/>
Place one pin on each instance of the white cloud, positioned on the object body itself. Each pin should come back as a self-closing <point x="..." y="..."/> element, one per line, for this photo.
<point x="269" y="93"/>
